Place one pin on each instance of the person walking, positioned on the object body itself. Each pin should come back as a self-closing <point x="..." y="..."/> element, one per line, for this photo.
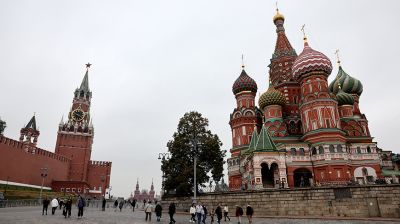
<point x="115" y="205"/>
<point x="239" y="213"/>
<point x="133" y="203"/>
<point x="204" y="214"/>
<point x="218" y="212"/>
<point x="103" y="204"/>
<point x="81" y="204"/>
<point x="226" y="211"/>
<point x="45" y="203"/>
<point x="212" y="213"/>
<point x="148" y="209"/>
<point x="68" y="207"/>
<point x="171" y="212"/>
<point x="121" y="205"/>
<point x="249" y="213"/>
<point x="54" y="205"/>
<point x="192" y="213"/>
<point x="199" y="212"/>
<point x="158" y="211"/>
<point x="60" y="202"/>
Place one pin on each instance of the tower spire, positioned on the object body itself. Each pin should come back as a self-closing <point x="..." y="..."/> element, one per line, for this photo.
<point x="242" y="62"/>
<point x="85" y="81"/>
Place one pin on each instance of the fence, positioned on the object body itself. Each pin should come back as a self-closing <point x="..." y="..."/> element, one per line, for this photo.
<point x="19" y="203"/>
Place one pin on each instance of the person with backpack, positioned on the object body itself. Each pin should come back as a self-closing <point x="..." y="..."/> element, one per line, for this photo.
<point x="249" y="213"/>
<point x="158" y="211"/>
<point x="81" y="204"/>
<point x="218" y="212"/>
<point x="148" y="209"/>
<point x="171" y="212"/>
<point x="239" y="214"/>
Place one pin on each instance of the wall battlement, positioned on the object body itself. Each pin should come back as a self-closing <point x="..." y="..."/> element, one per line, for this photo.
<point x="100" y="163"/>
<point x="11" y="143"/>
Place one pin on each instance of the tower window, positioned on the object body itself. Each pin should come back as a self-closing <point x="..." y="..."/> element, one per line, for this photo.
<point x="320" y="150"/>
<point x="358" y="150"/>
<point x="339" y="148"/>
<point x="331" y="148"/>
<point x="293" y="151"/>
<point x="368" y="149"/>
<point x="301" y="150"/>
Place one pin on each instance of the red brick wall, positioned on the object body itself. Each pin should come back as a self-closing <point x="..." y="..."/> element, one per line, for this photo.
<point x="78" y="148"/>
<point x="97" y="169"/>
<point x="25" y="167"/>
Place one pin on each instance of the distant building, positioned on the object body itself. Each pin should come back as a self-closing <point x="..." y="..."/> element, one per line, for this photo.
<point x="70" y="168"/>
<point x="144" y="194"/>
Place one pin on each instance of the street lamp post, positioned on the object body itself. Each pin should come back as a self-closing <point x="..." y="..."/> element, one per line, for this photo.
<point x="43" y="174"/>
<point x="163" y="156"/>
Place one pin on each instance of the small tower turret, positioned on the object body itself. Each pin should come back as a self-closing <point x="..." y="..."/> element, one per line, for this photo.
<point x="29" y="133"/>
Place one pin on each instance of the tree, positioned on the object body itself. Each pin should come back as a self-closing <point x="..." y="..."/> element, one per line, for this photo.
<point x="191" y="139"/>
<point x="3" y="126"/>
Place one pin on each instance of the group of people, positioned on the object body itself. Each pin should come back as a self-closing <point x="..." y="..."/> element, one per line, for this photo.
<point x="65" y="204"/>
<point x="199" y="211"/>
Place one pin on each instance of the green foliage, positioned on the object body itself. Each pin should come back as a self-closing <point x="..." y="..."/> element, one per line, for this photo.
<point x="192" y="138"/>
<point x="3" y="126"/>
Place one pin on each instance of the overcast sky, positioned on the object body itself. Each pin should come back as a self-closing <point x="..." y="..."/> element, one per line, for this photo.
<point x="155" y="60"/>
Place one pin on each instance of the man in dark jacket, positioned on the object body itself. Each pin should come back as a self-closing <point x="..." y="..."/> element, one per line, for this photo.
<point x="158" y="211"/>
<point x="133" y="203"/>
<point x="67" y="207"/>
<point x="218" y="212"/>
<point x="45" y="203"/>
<point x="81" y="204"/>
<point x="103" y="204"/>
<point x="171" y="212"/>
<point x="249" y="213"/>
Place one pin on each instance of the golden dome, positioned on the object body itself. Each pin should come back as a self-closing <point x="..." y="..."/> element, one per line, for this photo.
<point x="278" y="16"/>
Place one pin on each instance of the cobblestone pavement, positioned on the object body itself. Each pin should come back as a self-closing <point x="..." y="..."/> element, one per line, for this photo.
<point x="32" y="215"/>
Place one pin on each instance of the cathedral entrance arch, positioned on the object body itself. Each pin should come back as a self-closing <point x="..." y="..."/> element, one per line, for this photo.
<point x="269" y="175"/>
<point x="302" y="177"/>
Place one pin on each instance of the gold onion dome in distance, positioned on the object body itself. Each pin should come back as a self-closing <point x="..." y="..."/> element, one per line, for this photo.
<point x="271" y="97"/>
<point x="278" y="16"/>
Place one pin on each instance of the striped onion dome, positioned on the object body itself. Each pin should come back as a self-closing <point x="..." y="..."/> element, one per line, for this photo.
<point x="244" y="83"/>
<point x="344" y="98"/>
<point x="311" y="60"/>
<point x="271" y="97"/>
<point x="348" y="84"/>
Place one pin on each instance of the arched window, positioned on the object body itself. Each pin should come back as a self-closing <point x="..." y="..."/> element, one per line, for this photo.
<point x="320" y="150"/>
<point x="301" y="150"/>
<point x="358" y="150"/>
<point x="331" y="148"/>
<point x="293" y="151"/>
<point x="368" y="149"/>
<point x="339" y="148"/>
<point x="314" y="151"/>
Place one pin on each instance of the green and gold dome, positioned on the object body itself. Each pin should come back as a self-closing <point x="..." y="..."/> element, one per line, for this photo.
<point x="344" y="98"/>
<point x="244" y="83"/>
<point x="271" y="97"/>
<point x="348" y="84"/>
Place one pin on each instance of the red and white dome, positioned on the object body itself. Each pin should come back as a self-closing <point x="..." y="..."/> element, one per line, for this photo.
<point x="311" y="60"/>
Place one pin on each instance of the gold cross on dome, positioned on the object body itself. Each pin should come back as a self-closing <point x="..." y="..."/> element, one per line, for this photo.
<point x="337" y="56"/>
<point x="242" y="61"/>
<point x="303" y="30"/>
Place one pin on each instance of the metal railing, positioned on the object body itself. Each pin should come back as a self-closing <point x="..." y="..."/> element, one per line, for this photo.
<point x="19" y="203"/>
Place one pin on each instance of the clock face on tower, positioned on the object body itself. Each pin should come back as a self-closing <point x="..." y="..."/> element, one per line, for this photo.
<point x="78" y="115"/>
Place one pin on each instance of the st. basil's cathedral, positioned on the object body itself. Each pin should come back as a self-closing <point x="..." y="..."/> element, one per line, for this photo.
<point x="304" y="132"/>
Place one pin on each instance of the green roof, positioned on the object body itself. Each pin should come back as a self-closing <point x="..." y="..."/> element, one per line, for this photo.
<point x="264" y="141"/>
<point x="253" y="141"/>
<point x="389" y="173"/>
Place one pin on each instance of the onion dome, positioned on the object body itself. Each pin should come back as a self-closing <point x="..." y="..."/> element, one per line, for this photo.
<point x="344" y="98"/>
<point x="271" y="97"/>
<point x="311" y="60"/>
<point x="244" y="83"/>
<point x="348" y="84"/>
<point x="278" y="16"/>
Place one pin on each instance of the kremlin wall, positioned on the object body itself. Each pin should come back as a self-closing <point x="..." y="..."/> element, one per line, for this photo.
<point x="70" y="168"/>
